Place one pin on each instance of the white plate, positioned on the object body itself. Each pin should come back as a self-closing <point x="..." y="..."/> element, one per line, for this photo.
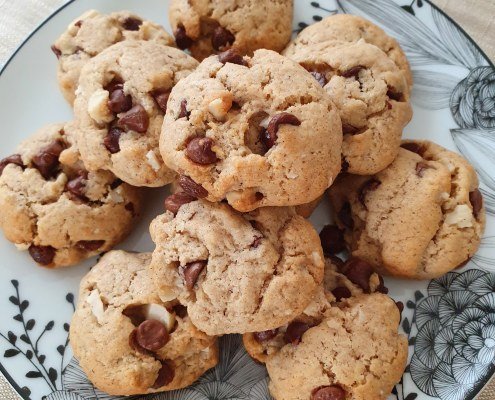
<point x="450" y="321"/>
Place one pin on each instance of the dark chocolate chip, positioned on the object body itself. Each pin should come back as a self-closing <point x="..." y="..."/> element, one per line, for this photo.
<point x="152" y="335"/>
<point x="264" y="336"/>
<point x="116" y="183"/>
<point x="136" y="119"/>
<point x="191" y="273"/>
<point x="400" y="306"/>
<point x="381" y="288"/>
<point x="77" y="185"/>
<point x="352" y="72"/>
<point x="328" y="393"/>
<point x="345" y="216"/>
<point x="46" y="161"/>
<point x="183" y="109"/>
<point x="414" y="147"/>
<point x="295" y="331"/>
<point x="320" y="78"/>
<point x="183" y="41"/>
<point x="118" y="101"/>
<point x="366" y="187"/>
<point x="394" y="95"/>
<point x="165" y="376"/>
<point x="13" y="159"/>
<point x="269" y="136"/>
<point x="111" y="141"/>
<point x="231" y="56"/>
<point x="221" y="38"/>
<point x="161" y="97"/>
<point x="132" y="24"/>
<point x="180" y="310"/>
<point x="337" y="262"/>
<point x="56" y="51"/>
<point x="341" y="292"/>
<point x="476" y="200"/>
<point x="115" y="83"/>
<point x="78" y="23"/>
<point x="175" y="201"/>
<point x="191" y="187"/>
<point x="43" y="255"/>
<point x="358" y="272"/>
<point x="421" y="167"/>
<point x="332" y="239"/>
<point x="90" y="245"/>
<point x="133" y="343"/>
<point x="199" y="150"/>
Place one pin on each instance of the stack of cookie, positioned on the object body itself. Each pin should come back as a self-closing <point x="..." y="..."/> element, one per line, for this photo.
<point x="250" y="140"/>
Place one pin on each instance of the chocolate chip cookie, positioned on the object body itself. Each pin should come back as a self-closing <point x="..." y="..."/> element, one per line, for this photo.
<point x="341" y="284"/>
<point x="255" y="131"/>
<point x="235" y="272"/>
<point x="335" y="29"/>
<point x="207" y="27"/>
<point x="121" y="101"/>
<point x="127" y="340"/>
<point x="90" y="34"/>
<point x="371" y="95"/>
<point x="56" y="209"/>
<point x="419" y="218"/>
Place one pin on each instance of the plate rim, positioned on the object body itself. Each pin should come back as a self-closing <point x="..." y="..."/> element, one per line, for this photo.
<point x="14" y="385"/>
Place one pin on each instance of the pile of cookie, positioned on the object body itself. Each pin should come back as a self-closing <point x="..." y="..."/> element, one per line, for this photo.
<point x="249" y="140"/>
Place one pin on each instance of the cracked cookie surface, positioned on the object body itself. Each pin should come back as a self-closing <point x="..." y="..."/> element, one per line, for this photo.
<point x="419" y="218"/>
<point x="334" y="30"/>
<point x="111" y="325"/>
<point x="206" y="27"/>
<point x="56" y="209"/>
<point x="236" y="272"/>
<point x="121" y="101"/>
<point x="372" y="98"/>
<point x="90" y="34"/>
<point x="256" y="131"/>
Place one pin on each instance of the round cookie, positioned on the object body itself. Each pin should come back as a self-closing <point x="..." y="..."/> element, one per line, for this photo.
<point x="127" y="340"/>
<point x="207" y="27"/>
<point x="355" y="352"/>
<point x="335" y="29"/>
<point x="60" y="212"/>
<point x="235" y="272"/>
<point x="90" y="34"/>
<point x="121" y="101"/>
<point x="341" y="284"/>
<point x="372" y="98"/>
<point x="419" y="218"/>
<point x="255" y="131"/>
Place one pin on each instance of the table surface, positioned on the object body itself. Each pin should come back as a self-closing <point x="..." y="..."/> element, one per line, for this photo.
<point x="19" y="18"/>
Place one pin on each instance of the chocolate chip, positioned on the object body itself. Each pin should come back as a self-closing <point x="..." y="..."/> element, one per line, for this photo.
<point x="161" y="97"/>
<point x="166" y="375"/>
<point x="43" y="255"/>
<point x="332" y="239"/>
<point x="421" y="167"/>
<point x="341" y="292"/>
<point x="221" y="37"/>
<point x="152" y="335"/>
<point x="183" y="41"/>
<point x="77" y="185"/>
<point x="180" y="310"/>
<point x="115" y="83"/>
<point x="175" y="201"/>
<point x="191" y="273"/>
<point x="56" y="51"/>
<point x="133" y="343"/>
<point x="381" y="288"/>
<point x="90" y="245"/>
<point x="394" y="95"/>
<point x="118" y="101"/>
<point x="46" y="161"/>
<point x="295" y="331"/>
<point x="366" y="187"/>
<point x="336" y="261"/>
<point x="199" y="151"/>
<point x="136" y="119"/>
<point x="476" y="200"/>
<point x="183" y="109"/>
<point x="132" y="24"/>
<point x="320" y="78"/>
<point x="191" y="187"/>
<point x="111" y="141"/>
<point x="269" y="136"/>
<point x="400" y="306"/>
<point x="231" y="56"/>
<point x="264" y="336"/>
<point x="414" y="147"/>
<point x="358" y="272"/>
<point x="328" y="393"/>
<point x="345" y="216"/>
<point x="13" y="159"/>
<point x="116" y="183"/>
<point x="352" y="72"/>
<point x="78" y="23"/>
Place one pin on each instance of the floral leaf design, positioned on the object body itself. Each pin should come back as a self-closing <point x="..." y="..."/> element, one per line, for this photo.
<point x="432" y="90"/>
<point x="260" y="391"/>
<point x="11" y="353"/>
<point x="422" y="376"/>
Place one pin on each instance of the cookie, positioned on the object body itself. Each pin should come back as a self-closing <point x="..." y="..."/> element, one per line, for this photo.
<point x="207" y="27"/>
<point x="255" y="131"/>
<point x="341" y="284"/>
<point x="121" y="101"/>
<point x="355" y="352"/>
<point x="127" y="340"/>
<point x="372" y="98"/>
<point x="335" y="29"/>
<point x="90" y="34"/>
<point x="235" y="272"/>
<point x="60" y="212"/>
<point x="419" y="218"/>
